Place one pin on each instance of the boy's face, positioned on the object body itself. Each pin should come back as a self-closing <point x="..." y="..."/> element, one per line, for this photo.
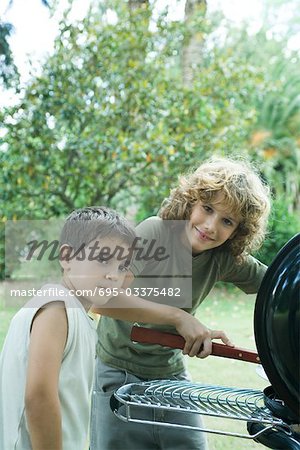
<point x="210" y="225"/>
<point x="92" y="274"/>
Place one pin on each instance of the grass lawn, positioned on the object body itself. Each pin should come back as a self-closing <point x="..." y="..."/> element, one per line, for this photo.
<point x="231" y="311"/>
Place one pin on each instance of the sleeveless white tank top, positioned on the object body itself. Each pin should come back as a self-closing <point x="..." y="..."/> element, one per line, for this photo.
<point x="75" y="379"/>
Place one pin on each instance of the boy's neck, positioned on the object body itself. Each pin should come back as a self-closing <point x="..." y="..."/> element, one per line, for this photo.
<point x="84" y="302"/>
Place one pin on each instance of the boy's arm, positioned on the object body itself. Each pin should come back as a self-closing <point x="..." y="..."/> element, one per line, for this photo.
<point x="247" y="276"/>
<point x="135" y="309"/>
<point x="42" y="405"/>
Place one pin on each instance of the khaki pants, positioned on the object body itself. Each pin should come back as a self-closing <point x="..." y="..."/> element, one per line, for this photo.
<point x="110" y="433"/>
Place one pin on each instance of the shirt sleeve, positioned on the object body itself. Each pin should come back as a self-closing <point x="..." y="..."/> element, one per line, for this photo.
<point x="148" y="236"/>
<point x="247" y="275"/>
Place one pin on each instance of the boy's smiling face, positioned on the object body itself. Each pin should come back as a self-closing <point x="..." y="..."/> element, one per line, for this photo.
<point x="96" y="272"/>
<point x="210" y="225"/>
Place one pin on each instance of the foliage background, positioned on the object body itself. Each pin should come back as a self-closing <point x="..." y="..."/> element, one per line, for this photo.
<point x="112" y="119"/>
<point x="119" y="111"/>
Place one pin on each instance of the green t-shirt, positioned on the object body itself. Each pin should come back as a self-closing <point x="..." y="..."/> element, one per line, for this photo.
<point x="200" y="273"/>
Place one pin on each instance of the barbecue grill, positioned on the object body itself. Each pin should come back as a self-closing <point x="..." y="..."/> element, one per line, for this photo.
<point x="271" y="414"/>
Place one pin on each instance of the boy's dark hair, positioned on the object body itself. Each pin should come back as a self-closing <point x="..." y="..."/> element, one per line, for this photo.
<point x="84" y="225"/>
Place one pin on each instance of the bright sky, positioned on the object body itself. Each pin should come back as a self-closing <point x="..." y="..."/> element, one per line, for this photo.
<point x="35" y="30"/>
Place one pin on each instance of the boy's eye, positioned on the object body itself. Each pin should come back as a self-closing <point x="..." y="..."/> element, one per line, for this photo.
<point x="125" y="266"/>
<point x="227" y="222"/>
<point x="207" y="208"/>
<point x="102" y="260"/>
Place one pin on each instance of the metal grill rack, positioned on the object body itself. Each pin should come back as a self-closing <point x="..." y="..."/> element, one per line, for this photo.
<point x="140" y="402"/>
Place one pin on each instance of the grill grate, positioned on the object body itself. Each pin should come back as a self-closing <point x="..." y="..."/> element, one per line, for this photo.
<point x="185" y="397"/>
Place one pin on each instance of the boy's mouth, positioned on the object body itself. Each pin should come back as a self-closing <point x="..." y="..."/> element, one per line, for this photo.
<point x="102" y="287"/>
<point x="203" y="236"/>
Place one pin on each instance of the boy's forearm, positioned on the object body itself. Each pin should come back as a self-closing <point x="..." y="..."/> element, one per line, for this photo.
<point x="136" y="309"/>
<point x="44" y="421"/>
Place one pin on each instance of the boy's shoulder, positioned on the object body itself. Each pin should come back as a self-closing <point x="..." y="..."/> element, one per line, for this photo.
<point x="50" y="293"/>
<point x="153" y="221"/>
<point x="246" y="274"/>
<point x="47" y="295"/>
<point x="152" y="226"/>
<point x="222" y="255"/>
<point x="157" y="226"/>
<point x="225" y="260"/>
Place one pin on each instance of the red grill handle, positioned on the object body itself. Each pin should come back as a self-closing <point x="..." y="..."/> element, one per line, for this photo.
<point x="150" y="336"/>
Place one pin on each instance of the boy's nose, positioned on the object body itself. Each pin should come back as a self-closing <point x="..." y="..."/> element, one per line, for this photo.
<point x="113" y="276"/>
<point x="210" y="224"/>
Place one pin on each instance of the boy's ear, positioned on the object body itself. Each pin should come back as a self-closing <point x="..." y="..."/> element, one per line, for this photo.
<point x="64" y="256"/>
<point x="129" y="277"/>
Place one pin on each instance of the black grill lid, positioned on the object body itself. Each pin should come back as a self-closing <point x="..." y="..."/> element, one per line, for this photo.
<point x="276" y="324"/>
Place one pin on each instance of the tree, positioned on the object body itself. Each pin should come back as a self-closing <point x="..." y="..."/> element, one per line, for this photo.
<point x="136" y="4"/>
<point x="191" y="55"/>
<point x="102" y="125"/>
<point x="8" y="72"/>
<point x="274" y="138"/>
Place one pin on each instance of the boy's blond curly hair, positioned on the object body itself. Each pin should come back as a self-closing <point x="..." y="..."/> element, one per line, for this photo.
<point x="245" y="194"/>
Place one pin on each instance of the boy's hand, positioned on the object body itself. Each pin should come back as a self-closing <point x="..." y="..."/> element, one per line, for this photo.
<point x="198" y="338"/>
